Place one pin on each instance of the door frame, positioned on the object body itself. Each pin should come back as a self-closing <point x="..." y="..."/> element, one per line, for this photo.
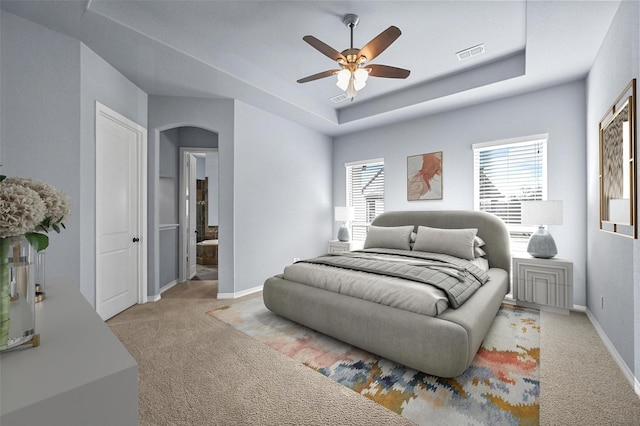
<point x="183" y="269"/>
<point x="141" y="141"/>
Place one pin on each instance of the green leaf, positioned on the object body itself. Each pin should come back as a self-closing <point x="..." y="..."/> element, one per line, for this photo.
<point x="2" y="177"/>
<point x="38" y="241"/>
<point x="55" y="227"/>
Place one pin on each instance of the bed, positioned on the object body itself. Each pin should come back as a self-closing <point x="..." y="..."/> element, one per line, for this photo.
<point x="440" y="339"/>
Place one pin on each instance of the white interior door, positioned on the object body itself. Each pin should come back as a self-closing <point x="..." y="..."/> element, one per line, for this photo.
<point x="120" y="212"/>
<point x="192" y="215"/>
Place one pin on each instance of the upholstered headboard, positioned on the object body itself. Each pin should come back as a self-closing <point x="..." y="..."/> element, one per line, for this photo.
<point x="490" y="228"/>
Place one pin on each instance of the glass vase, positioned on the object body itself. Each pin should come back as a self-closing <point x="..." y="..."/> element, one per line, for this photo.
<point x="39" y="276"/>
<point x="17" y="292"/>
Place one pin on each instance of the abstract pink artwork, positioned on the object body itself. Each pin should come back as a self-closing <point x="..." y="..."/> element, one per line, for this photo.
<point x="424" y="176"/>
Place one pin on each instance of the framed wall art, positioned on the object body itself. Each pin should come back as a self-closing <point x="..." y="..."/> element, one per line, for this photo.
<point x="424" y="176"/>
<point x="618" y="166"/>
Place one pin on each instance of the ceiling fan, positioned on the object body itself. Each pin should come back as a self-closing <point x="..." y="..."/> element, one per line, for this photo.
<point x="354" y="70"/>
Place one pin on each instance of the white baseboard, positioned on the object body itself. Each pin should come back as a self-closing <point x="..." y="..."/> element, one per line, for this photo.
<point x="168" y="286"/>
<point x="579" y="308"/>
<point x="239" y="293"/>
<point x="633" y="381"/>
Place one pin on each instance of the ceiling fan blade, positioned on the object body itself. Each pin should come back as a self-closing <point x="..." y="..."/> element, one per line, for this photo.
<point x="318" y="76"/>
<point x="380" y="43"/>
<point x="323" y="48"/>
<point x="387" y="71"/>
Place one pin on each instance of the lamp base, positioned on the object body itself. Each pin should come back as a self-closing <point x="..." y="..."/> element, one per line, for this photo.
<point x="343" y="234"/>
<point x="541" y="244"/>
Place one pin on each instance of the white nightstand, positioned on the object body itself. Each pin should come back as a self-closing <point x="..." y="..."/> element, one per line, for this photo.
<point x="336" y="246"/>
<point x="543" y="283"/>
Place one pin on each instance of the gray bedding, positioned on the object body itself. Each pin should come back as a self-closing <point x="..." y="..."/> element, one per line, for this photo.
<point x="457" y="278"/>
<point x="443" y="344"/>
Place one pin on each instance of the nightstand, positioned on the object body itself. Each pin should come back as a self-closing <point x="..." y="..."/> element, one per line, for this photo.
<point x="543" y="283"/>
<point x="336" y="246"/>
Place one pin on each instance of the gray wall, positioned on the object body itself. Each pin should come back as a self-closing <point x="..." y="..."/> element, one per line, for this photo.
<point x="612" y="260"/>
<point x="558" y="111"/>
<point x="282" y="182"/>
<point x="49" y="85"/>
<point x="40" y="118"/>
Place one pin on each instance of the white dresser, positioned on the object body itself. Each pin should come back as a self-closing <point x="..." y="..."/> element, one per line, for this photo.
<point x="336" y="246"/>
<point x="543" y="283"/>
<point x="79" y="375"/>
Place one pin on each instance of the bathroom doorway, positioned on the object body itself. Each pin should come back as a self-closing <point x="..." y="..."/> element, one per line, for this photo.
<point x="199" y="214"/>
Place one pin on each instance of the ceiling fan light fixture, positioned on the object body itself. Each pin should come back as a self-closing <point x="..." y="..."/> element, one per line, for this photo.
<point x="360" y="78"/>
<point x="344" y="77"/>
<point x="352" y="75"/>
<point x="351" y="89"/>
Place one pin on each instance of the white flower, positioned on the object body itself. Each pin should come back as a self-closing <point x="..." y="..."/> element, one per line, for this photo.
<point x="21" y="210"/>
<point x="57" y="203"/>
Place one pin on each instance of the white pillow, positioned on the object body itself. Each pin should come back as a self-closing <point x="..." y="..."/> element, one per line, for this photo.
<point x="479" y="242"/>
<point x="392" y="237"/>
<point x="479" y="252"/>
<point x="454" y="242"/>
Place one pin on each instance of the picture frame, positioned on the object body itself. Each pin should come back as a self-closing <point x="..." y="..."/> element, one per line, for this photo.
<point x="618" y="198"/>
<point x="424" y="176"/>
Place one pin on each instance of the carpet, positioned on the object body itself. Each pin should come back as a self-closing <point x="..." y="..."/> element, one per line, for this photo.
<point x="501" y="387"/>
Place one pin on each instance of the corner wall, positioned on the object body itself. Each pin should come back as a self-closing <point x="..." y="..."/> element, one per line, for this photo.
<point x="274" y="194"/>
<point x="282" y="182"/>
<point x="49" y="85"/>
<point x="612" y="260"/>
<point x="40" y="84"/>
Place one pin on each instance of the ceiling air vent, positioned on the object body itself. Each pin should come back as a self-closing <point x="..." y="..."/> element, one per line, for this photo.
<point x="470" y="52"/>
<point x="339" y="98"/>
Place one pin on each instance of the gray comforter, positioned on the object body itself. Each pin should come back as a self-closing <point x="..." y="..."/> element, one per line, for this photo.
<point x="457" y="278"/>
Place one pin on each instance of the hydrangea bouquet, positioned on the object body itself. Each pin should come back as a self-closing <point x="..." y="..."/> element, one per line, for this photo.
<point x="29" y="208"/>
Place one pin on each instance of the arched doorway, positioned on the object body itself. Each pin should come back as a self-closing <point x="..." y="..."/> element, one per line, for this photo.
<point x="180" y="201"/>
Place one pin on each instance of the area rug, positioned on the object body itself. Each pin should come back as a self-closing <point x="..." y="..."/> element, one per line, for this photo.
<point x="501" y="387"/>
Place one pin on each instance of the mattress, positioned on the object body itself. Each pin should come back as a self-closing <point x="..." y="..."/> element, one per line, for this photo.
<point x="391" y="291"/>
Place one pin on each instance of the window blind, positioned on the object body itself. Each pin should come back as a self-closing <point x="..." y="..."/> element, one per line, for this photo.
<point x="365" y="193"/>
<point x="506" y="174"/>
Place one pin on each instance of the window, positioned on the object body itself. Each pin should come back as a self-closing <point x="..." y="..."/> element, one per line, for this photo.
<point x="365" y="193"/>
<point x="507" y="172"/>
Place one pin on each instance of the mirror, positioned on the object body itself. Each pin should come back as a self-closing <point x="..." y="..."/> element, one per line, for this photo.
<point x="617" y="166"/>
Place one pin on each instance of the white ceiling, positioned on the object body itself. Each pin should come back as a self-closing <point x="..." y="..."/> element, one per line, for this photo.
<point x="253" y="50"/>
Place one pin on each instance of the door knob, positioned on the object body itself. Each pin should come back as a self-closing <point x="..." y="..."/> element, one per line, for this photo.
<point x="136" y="239"/>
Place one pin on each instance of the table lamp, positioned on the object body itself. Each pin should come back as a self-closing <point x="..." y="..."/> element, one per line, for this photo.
<point x="344" y="215"/>
<point x="541" y="213"/>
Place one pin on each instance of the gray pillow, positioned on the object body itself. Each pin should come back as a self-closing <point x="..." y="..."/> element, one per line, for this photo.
<point x="392" y="237"/>
<point x="454" y="242"/>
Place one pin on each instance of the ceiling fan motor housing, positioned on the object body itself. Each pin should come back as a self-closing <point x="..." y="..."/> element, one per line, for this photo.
<point x="351" y="20"/>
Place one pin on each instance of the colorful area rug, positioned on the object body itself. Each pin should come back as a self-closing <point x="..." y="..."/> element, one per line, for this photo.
<point x="501" y="387"/>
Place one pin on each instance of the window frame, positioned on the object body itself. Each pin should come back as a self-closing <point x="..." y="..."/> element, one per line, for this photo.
<point x="519" y="234"/>
<point x="367" y="213"/>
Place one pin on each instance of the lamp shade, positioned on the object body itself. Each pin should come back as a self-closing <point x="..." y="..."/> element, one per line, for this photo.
<point x="343" y="214"/>
<point x="541" y="212"/>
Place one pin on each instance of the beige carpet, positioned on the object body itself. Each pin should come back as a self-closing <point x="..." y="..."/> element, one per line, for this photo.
<point x="196" y="370"/>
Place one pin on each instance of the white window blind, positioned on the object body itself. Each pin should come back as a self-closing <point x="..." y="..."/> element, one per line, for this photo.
<point x="365" y="193"/>
<point x="506" y="173"/>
